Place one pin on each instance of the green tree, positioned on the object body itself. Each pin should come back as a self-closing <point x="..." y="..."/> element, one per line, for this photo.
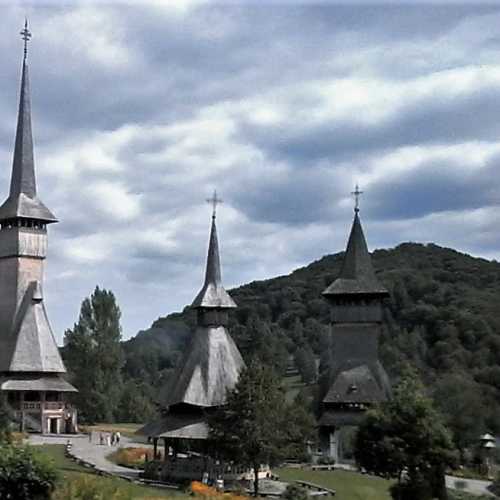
<point x="135" y="405"/>
<point x="295" y="492"/>
<point x="94" y="357"/>
<point x="306" y="364"/>
<point x="25" y="474"/>
<point x="463" y="405"/>
<point x="6" y="419"/>
<point x="300" y="429"/>
<point x="250" y="428"/>
<point x="407" y="435"/>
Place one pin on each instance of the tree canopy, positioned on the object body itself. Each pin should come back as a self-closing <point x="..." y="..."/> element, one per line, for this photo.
<point x="249" y="428"/>
<point x="443" y="317"/>
<point x="94" y="357"/>
<point x="406" y="439"/>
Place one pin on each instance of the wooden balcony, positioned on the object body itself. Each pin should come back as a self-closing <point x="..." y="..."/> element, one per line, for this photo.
<point x="41" y="406"/>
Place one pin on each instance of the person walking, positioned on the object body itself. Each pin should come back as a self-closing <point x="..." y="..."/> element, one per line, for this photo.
<point x="118" y="436"/>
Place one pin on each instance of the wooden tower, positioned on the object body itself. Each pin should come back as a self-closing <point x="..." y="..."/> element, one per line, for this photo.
<point x="31" y="367"/>
<point x="210" y="366"/>
<point x="358" y="379"/>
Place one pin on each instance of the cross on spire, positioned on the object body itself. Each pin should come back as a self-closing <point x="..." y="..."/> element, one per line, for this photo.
<point x="25" y="35"/>
<point x="356" y="194"/>
<point x="214" y="201"/>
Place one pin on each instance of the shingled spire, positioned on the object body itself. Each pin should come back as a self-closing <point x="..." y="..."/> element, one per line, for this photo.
<point x="30" y="361"/>
<point x="23" y="201"/>
<point x="213" y="293"/>
<point x="357" y="275"/>
<point x="211" y="364"/>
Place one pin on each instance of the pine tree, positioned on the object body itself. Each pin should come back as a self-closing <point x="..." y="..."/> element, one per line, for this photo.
<point x="250" y="429"/>
<point x="94" y="357"/>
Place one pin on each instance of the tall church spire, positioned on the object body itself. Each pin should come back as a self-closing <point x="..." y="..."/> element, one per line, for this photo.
<point x="357" y="275"/>
<point x="23" y="201"/>
<point x="213" y="293"/>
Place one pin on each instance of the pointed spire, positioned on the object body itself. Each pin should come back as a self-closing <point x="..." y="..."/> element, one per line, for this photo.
<point x="213" y="293"/>
<point x="357" y="275"/>
<point x="23" y="200"/>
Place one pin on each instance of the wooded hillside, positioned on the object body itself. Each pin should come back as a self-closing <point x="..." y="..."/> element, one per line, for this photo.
<point x="443" y="316"/>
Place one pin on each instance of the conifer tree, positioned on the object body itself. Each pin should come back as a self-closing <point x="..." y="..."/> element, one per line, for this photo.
<point x="250" y="429"/>
<point x="94" y="357"/>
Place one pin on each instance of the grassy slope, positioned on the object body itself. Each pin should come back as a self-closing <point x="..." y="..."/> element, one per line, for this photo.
<point x="71" y="470"/>
<point x="348" y="485"/>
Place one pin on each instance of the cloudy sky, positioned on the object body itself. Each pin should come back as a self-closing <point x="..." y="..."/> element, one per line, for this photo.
<point x="141" y="109"/>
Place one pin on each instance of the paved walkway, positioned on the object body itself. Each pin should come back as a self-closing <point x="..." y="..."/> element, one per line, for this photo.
<point x="474" y="486"/>
<point x="91" y="453"/>
<point x="95" y="454"/>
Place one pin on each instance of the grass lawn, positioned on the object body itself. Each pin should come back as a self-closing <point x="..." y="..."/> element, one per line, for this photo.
<point x="71" y="471"/>
<point x="348" y="485"/>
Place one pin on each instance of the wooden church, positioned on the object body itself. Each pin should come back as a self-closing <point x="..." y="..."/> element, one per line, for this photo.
<point x="211" y="365"/>
<point x="358" y="379"/>
<point x="31" y="368"/>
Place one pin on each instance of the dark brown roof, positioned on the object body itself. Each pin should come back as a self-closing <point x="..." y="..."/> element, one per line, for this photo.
<point x="357" y="275"/>
<point x="180" y="426"/>
<point x="23" y="200"/>
<point x="210" y="367"/>
<point x="213" y="293"/>
<point x="357" y="385"/>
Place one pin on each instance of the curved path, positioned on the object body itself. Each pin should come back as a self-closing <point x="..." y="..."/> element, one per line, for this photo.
<point x="91" y="453"/>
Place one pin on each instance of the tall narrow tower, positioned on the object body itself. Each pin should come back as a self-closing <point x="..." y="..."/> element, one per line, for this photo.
<point x="358" y="379"/>
<point x="211" y="365"/>
<point x="30" y="363"/>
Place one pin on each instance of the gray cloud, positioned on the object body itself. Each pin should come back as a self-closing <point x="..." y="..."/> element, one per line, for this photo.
<point x="141" y="110"/>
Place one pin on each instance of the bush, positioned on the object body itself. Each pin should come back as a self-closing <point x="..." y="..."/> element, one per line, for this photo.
<point x="131" y="457"/>
<point x="25" y="474"/>
<point x="295" y="492"/>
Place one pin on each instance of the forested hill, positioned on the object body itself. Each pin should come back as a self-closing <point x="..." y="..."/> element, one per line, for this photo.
<point x="443" y="316"/>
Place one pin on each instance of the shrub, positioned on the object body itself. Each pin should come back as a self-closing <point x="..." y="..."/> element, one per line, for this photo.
<point x="131" y="457"/>
<point x="204" y="491"/>
<point x="25" y="474"/>
<point x="295" y="492"/>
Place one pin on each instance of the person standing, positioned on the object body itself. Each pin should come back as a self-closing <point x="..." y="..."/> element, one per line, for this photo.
<point x="117" y="436"/>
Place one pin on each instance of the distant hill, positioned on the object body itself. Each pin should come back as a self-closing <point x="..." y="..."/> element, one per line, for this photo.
<point x="443" y="316"/>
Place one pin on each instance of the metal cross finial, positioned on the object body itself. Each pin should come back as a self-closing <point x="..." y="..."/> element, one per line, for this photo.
<point x="356" y="194"/>
<point x="25" y="35"/>
<point x="214" y="201"/>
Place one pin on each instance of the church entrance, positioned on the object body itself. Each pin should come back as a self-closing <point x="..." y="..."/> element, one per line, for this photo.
<point x="53" y="427"/>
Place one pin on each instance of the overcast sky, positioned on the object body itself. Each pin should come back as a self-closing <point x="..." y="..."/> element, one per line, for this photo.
<point x="141" y="109"/>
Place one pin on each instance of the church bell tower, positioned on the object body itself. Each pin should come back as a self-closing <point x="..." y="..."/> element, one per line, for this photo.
<point x="30" y="363"/>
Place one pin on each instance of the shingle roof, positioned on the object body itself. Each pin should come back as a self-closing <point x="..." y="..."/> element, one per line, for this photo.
<point x="23" y="200"/>
<point x="213" y="294"/>
<point x="180" y="426"/>
<point x="32" y="345"/>
<point x="210" y="367"/>
<point x="357" y="275"/>
<point x="35" y="383"/>
<point x="357" y="385"/>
